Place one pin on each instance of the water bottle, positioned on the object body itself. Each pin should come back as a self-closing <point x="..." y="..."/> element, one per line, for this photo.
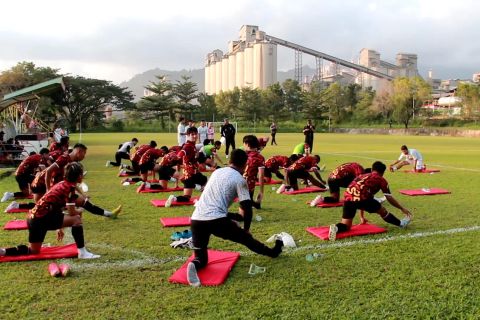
<point x="254" y="269"/>
<point x="313" y="256"/>
<point x="258" y="218"/>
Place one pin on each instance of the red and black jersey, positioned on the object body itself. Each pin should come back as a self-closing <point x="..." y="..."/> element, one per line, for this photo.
<point x="349" y="170"/>
<point x="151" y="155"/>
<point x="56" y="153"/>
<point x="274" y="163"/>
<point x="57" y="174"/>
<point x="57" y="146"/>
<point x="140" y="151"/>
<point x="255" y="160"/>
<point x="365" y="186"/>
<point x="29" y="165"/>
<point x="304" y="163"/>
<point x="189" y="160"/>
<point x="55" y="199"/>
<point x="170" y="159"/>
<point x="175" y="148"/>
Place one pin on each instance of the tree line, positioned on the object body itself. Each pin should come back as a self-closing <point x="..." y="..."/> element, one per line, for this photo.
<point x="84" y="101"/>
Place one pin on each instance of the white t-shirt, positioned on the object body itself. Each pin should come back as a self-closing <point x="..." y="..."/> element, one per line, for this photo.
<point x="202" y="133"/>
<point x="181" y="138"/>
<point x="412" y="155"/>
<point x="126" y="146"/>
<point x="223" y="186"/>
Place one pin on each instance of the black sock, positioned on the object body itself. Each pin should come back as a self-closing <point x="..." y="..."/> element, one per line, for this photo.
<point x="17" y="251"/>
<point x="29" y="205"/>
<point x="256" y="205"/>
<point x="330" y="200"/>
<point x="183" y="198"/>
<point x="77" y="234"/>
<point x="93" y="208"/>
<point x="235" y="216"/>
<point x="342" y="227"/>
<point x="390" y="218"/>
<point x="280" y="176"/>
<point x="136" y="179"/>
<point x="156" y="186"/>
<point x="277" y="249"/>
<point x="18" y="195"/>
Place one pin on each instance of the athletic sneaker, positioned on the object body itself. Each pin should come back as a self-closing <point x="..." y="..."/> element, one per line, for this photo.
<point x="12" y="206"/>
<point x="107" y="164"/>
<point x="171" y="198"/>
<point x="281" y="188"/>
<point x="64" y="269"/>
<point x="7" y="196"/>
<point x="380" y="199"/>
<point x="116" y="212"/>
<point x="405" y="222"/>
<point x="54" y="270"/>
<point x="192" y="276"/>
<point x="316" y="201"/>
<point x="87" y="255"/>
<point x="332" y="232"/>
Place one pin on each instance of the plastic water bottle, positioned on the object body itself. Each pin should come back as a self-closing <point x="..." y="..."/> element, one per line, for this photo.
<point x="254" y="269"/>
<point x="313" y="256"/>
<point x="426" y="189"/>
<point x="258" y="218"/>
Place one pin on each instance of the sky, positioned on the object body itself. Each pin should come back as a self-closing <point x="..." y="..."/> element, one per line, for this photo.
<point x="115" y="40"/>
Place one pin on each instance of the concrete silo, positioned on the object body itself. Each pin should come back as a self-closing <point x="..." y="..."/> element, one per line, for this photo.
<point x="207" y="79"/>
<point x="212" y="76"/>
<point x="225" y="74"/>
<point x="269" y="64"/>
<point x="240" y="81"/>
<point x="218" y="77"/>
<point x="248" y="67"/>
<point x="232" y="68"/>
<point x="257" y="65"/>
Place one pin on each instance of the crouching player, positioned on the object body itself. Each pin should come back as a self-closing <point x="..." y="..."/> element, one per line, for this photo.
<point x="360" y="195"/>
<point x="47" y="215"/>
<point x="300" y="170"/>
<point x="211" y="216"/>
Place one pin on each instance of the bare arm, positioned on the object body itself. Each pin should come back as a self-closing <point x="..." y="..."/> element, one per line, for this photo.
<point x="48" y="175"/>
<point x="397" y="205"/>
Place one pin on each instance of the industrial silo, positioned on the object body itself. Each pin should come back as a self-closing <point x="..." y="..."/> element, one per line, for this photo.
<point x="218" y="77"/>
<point x="225" y="74"/>
<point x="257" y="65"/>
<point x="240" y="82"/>
<point x="212" y="78"/>
<point x="248" y="66"/>
<point x="269" y="64"/>
<point x="207" y="79"/>
<point x="232" y="66"/>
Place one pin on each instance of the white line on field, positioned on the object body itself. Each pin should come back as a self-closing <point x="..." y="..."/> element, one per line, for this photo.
<point x="387" y="160"/>
<point x="145" y="260"/>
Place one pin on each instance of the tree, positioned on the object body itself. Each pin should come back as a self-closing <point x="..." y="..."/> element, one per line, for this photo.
<point x="314" y="106"/>
<point x="227" y="102"/>
<point x="293" y="97"/>
<point x="160" y="104"/>
<point x="470" y="95"/>
<point x="407" y="95"/>
<point x="23" y="75"/>
<point x="274" y="101"/>
<point x="250" y="104"/>
<point x="383" y="105"/>
<point x="185" y="91"/>
<point x="208" y="108"/>
<point x="85" y="100"/>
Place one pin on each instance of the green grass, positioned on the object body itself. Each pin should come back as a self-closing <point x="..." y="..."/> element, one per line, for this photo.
<point x="433" y="276"/>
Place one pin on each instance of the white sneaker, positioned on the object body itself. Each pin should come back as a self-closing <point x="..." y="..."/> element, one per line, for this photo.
<point x="171" y="198"/>
<point x="107" y="164"/>
<point x="316" y="201"/>
<point x="281" y="188"/>
<point x="12" y="206"/>
<point x="147" y="185"/>
<point x="87" y="255"/>
<point x="332" y="232"/>
<point x="192" y="276"/>
<point x="405" y="222"/>
<point x="7" y="196"/>
<point x="380" y="199"/>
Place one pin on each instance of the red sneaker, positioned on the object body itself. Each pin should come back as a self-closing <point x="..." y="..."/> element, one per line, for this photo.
<point x="64" y="269"/>
<point x="54" y="270"/>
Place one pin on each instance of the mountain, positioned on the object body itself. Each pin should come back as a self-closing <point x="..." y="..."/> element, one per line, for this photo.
<point x="140" y="81"/>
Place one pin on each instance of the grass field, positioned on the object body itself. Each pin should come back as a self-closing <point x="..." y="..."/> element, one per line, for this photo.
<point x="429" y="270"/>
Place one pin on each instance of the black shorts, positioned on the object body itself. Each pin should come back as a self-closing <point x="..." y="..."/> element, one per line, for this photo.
<point x="197" y="178"/>
<point x="267" y="173"/>
<point x="24" y="180"/>
<point x="298" y="174"/>
<point x="144" y="168"/>
<point x="165" y="173"/>
<point x="38" y="227"/>
<point x="135" y="166"/>
<point x="350" y="207"/>
<point x="41" y="189"/>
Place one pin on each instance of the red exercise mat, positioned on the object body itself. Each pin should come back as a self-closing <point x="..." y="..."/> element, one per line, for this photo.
<point x="215" y="272"/>
<point x="423" y="171"/>
<point x="134" y="182"/>
<point x="68" y="251"/>
<point x="175" y="222"/>
<point x="424" y="192"/>
<point x="142" y="189"/>
<point x="16" y="225"/>
<point x="271" y="182"/>
<point x="330" y="205"/>
<point x="161" y="202"/>
<point x="19" y="210"/>
<point x="127" y="174"/>
<point x="356" y="230"/>
<point x="310" y="189"/>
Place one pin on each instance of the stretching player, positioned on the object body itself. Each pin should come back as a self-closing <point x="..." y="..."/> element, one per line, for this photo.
<point x="135" y="159"/>
<point x="123" y="152"/>
<point x="407" y="157"/>
<point x="48" y="215"/>
<point x="208" y="154"/>
<point x="360" y="195"/>
<point x="341" y="176"/>
<point x="273" y="165"/>
<point x="211" y="216"/>
<point x="255" y="168"/>
<point x="191" y="175"/>
<point x="300" y="169"/>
